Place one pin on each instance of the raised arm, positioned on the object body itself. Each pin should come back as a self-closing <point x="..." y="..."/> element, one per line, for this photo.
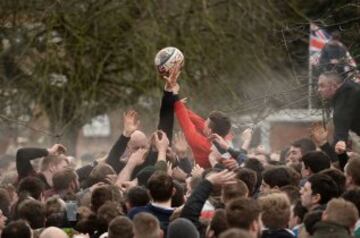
<point x="197" y="120"/>
<point x="197" y="199"/>
<point x="25" y="155"/>
<point x="130" y="124"/>
<point x="196" y="140"/>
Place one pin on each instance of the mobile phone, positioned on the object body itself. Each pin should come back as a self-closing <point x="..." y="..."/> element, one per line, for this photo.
<point x="71" y="211"/>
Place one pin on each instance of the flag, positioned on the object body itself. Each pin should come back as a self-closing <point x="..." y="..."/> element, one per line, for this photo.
<point x="318" y="40"/>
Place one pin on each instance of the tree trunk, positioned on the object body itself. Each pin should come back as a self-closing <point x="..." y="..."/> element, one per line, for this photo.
<point x="69" y="139"/>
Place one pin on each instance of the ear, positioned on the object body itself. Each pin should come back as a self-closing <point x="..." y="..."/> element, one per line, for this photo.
<point x="173" y="192"/>
<point x="73" y="185"/>
<point x="324" y="216"/>
<point x="161" y="233"/>
<point x="254" y="226"/>
<point x="305" y="172"/>
<point x="316" y="198"/>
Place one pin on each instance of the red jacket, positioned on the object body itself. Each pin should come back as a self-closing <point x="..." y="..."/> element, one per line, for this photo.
<point x="193" y="126"/>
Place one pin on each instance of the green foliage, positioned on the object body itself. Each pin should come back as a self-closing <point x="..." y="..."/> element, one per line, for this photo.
<point x="104" y="50"/>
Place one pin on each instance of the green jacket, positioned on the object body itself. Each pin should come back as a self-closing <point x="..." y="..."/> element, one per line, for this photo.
<point x="330" y="230"/>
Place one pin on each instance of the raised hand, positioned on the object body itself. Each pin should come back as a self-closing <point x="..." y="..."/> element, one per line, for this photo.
<point x="161" y="141"/>
<point x="171" y="80"/>
<point x="222" y="178"/>
<point x="179" y="174"/>
<point x="130" y="122"/>
<point x="246" y="137"/>
<point x="126" y="185"/>
<point x="180" y="145"/>
<point x="221" y="141"/>
<point x="57" y="149"/>
<point x="340" y="147"/>
<point x="230" y="164"/>
<point x="197" y="171"/>
<point x="138" y="157"/>
<point x="319" y="134"/>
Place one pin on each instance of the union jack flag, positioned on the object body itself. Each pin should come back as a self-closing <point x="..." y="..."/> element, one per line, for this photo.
<point x="318" y="39"/>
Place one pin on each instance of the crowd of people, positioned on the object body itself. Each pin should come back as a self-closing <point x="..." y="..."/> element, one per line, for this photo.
<point x="194" y="183"/>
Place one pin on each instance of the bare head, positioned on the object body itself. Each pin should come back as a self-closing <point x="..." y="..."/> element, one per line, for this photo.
<point x="53" y="232"/>
<point x="137" y="140"/>
<point x="328" y="84"/>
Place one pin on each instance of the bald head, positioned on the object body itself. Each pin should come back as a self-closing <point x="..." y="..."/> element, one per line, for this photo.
<point x="53" y="232"/>
<point x="137" y="140"/>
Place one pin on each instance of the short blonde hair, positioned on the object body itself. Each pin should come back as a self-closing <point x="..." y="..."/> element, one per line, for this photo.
<point x="146" y="225"/>
<point x="52" y="160"/>
<point x="275" y="210"/>
<point x="233" y="191"/>
<point x="341" y="212"/>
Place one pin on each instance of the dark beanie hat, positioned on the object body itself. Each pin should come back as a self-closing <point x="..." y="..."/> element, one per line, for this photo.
<point x="181" y="228"/>
<point x="144" y="175"/>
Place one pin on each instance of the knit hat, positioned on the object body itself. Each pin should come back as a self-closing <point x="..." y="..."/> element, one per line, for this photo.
<point x="181" y="228"/>
<point x="144" y="175"/>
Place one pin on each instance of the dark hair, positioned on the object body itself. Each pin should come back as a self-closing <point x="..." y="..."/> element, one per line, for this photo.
<point x="121" y="226"/>
<point x="88" y="225"/>
<point x="31" y="185"/>
<point x="283" y="154"/>
<point x="335" y="35"/>
<point x="293" y="193"/>
<point x="248" y="176"/>
<point x="233" y="191"/>
<point x="99" y="196"/>
<point x="316" y="161"/>
<point x="324" y="186"/>
<point x="258" y="167"/>
<point x="295" y="176"/>
<point x="242" y="212"/>
<point x="5" y="202"/>
<point x="353" y="195"/>
<point x="218" y="223"/>
<point x="34" y="212"/>
<point x="305" y="144"/>
<point x="338" y="177"/>
<point x="177" y="199"/>
<point x="299" y="210"/>
<point x="63" y="178"/>
<point x="310" y="221"/>
<point x="105" y="214"/>
<point x="219" y="123"/>
<point x="160" y="186"/>
<point x="55" y="212"/>
<point x="17" y="228"/>
<point x="235" y="233"/>
<point x="137" y="196"/>
<point x="277" y="176"/>
<point x="352" y="169"/>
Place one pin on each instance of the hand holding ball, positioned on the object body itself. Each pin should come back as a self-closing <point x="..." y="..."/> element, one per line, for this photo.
<point x="168" y="58"/>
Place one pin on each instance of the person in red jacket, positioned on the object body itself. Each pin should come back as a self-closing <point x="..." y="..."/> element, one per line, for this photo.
<point x="196" y="129"/>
